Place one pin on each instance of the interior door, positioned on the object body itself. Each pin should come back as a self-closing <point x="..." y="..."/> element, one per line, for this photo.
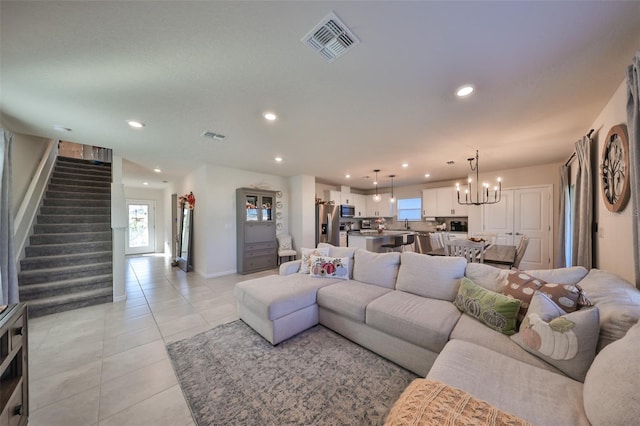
<point x="141" y="236"/>
<point x="498" y="218"/>
<point x="525" y="211"/>
<point x="532" y="218"/>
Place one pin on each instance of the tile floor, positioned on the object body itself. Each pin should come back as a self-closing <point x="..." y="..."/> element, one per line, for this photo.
<point x="108" y="365"/>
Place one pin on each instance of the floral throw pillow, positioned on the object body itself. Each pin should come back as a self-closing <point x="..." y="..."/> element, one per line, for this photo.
<point x="493" y="309"/>
<point x="306" y="257"/>
<point x="521" y="286"/>
<point x="566" y="341"/>
<point x="330" y="267"/>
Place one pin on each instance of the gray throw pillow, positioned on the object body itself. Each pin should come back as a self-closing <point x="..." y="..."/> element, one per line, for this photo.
<point x="566" y="341"/>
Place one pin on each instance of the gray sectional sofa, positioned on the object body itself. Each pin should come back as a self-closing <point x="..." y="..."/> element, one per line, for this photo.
<point x="401" y="307"/>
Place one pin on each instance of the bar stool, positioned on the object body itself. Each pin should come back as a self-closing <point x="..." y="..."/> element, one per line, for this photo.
<point x="398" y="241"/>
<point x="408" y="241"/>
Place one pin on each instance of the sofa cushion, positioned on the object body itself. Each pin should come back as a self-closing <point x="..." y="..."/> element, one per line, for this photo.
<point x="566" y="341"/>
<point x="435" y="277"/>
<point x="536" y="395"/>
<point x="380" y="269"/>
<point x="329" y="267"/>
<point x="471" y="330"/>
<point x="618" y="303"/>
<point x="418" y="320"/>
<point x="305" y="257"/>
<point x="335" y="251"/>
<point x="350" y="299"/>
<point x="493" y="309"/>
<point x="487" y="276"/>
<point x="571" y="275"/>
<point x="612" y="385"/>
<point x="275" y="296"/>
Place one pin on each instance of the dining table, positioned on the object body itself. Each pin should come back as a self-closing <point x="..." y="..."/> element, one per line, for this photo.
<point x="499" y="254"/>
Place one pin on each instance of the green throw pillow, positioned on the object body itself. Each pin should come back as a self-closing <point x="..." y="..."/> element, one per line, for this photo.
<point x="494" y="309"/>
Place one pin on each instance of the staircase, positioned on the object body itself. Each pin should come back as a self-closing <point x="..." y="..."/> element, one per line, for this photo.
<point x="68" y="262"/>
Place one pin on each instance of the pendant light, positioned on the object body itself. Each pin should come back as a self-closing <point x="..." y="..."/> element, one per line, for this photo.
<point x="483" y="196"/>
<point x="376" y="197"/>
<point x="393" y="199"/>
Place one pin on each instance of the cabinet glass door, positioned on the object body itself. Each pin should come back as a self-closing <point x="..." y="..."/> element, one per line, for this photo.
<point x="267" y="204"/>
<point x="252" y="205"/>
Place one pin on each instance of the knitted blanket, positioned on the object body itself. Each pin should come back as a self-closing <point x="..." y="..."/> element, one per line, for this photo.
<point x="429" y="402"/>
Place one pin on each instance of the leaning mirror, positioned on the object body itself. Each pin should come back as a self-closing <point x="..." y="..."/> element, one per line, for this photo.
<point x="185" y="235"/>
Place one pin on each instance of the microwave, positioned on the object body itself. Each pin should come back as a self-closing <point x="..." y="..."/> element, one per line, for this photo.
<point x="347" y="210"/>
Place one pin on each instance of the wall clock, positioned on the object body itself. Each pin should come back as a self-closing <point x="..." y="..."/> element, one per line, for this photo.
<point x="614" y="169"/>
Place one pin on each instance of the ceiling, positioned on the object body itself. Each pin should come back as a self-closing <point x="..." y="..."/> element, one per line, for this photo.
<point x="542" y="71"/>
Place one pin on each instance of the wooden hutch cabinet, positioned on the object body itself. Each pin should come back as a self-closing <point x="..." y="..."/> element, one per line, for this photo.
<point x="256" y="230"/>
<point x="14" y="382"/>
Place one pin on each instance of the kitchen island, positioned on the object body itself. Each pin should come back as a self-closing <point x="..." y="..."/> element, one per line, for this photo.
<point x="373" y="240"/>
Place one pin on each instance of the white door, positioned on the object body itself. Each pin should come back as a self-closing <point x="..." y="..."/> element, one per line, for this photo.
<point x="498" y="218"/>
<point x="532" y="218"/>
<point x="525" y="211"/>
<point x="141" y="237"/>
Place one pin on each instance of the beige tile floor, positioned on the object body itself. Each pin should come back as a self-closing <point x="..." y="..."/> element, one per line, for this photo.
<point x="108" y="365"/>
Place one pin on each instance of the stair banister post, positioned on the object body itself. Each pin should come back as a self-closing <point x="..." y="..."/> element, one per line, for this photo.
<point x="118" y="227"/>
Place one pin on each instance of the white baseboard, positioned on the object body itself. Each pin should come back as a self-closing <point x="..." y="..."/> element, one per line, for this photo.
<point x="216" y="274"/>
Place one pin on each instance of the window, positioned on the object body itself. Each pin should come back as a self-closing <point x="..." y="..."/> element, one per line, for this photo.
<point x="410" y="209"/>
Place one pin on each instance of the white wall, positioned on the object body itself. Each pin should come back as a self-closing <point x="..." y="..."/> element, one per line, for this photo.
<point x="303" y="211"/>
<point x="613" y="243"/>
<point x="215" y="213"/>
<point x="156" y="195"/>
<point x="27" y="151"/>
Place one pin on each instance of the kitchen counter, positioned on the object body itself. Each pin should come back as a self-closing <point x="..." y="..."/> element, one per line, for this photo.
<point x="373" y="240"/>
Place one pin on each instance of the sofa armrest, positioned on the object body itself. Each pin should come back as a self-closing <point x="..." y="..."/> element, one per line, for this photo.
<point x="291" y="267"/>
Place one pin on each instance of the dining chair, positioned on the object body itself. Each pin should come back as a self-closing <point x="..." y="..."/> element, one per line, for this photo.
<point x="520" y="250"/>
<point x="490" y="237"/>
<point x="436" y="240"/>
<point x="285" y="247"/>
<point x="470" y="250"/>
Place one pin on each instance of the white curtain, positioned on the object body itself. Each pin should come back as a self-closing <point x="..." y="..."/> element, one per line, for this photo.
<point x="583" y="206"/>
<point x="564" y="220"/>
<point x="633" y="124"/>
<point x="8" y="273"/>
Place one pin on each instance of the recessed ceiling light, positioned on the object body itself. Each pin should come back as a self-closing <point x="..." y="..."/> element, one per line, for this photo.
<point x="427" y="175"/>
<point x="278" y="159"/>
<point x="269" y="116"/>
<point x="157" y="170"/>
<point x="61" y="128"/>
<point x="405" y="165"/>
<point x="145" y="183"/>
<point x="347" y="176"/>
<point x="135" y="124"/>
<point x="465" y="90"/>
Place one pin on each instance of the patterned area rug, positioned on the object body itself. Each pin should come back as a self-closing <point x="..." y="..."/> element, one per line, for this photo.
<point x="230" y="375"/>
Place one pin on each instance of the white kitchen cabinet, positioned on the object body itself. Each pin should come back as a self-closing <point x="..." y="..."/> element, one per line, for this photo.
<point x="429" y="201"/>
<point x="382" y="208"/>
<point x="359" y="201"/>
<point x="442" y="202"/>
<point x="335" y="196"/>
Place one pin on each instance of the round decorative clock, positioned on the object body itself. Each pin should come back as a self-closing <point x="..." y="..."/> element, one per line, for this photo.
<point x="614" y="169"/>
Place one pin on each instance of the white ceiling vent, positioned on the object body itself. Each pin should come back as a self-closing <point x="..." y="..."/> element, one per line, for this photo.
<point x="213" y="135"/>
<point x="330" y="38"/>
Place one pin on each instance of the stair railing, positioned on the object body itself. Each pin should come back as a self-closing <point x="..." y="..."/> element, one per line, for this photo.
<point x="23" y="223"/>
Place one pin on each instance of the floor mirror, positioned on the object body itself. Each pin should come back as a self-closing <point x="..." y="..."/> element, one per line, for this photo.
<point x="185" y="239"/>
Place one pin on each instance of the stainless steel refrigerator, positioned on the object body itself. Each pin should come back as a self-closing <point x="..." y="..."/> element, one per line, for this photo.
<point x="328" y="224"/>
